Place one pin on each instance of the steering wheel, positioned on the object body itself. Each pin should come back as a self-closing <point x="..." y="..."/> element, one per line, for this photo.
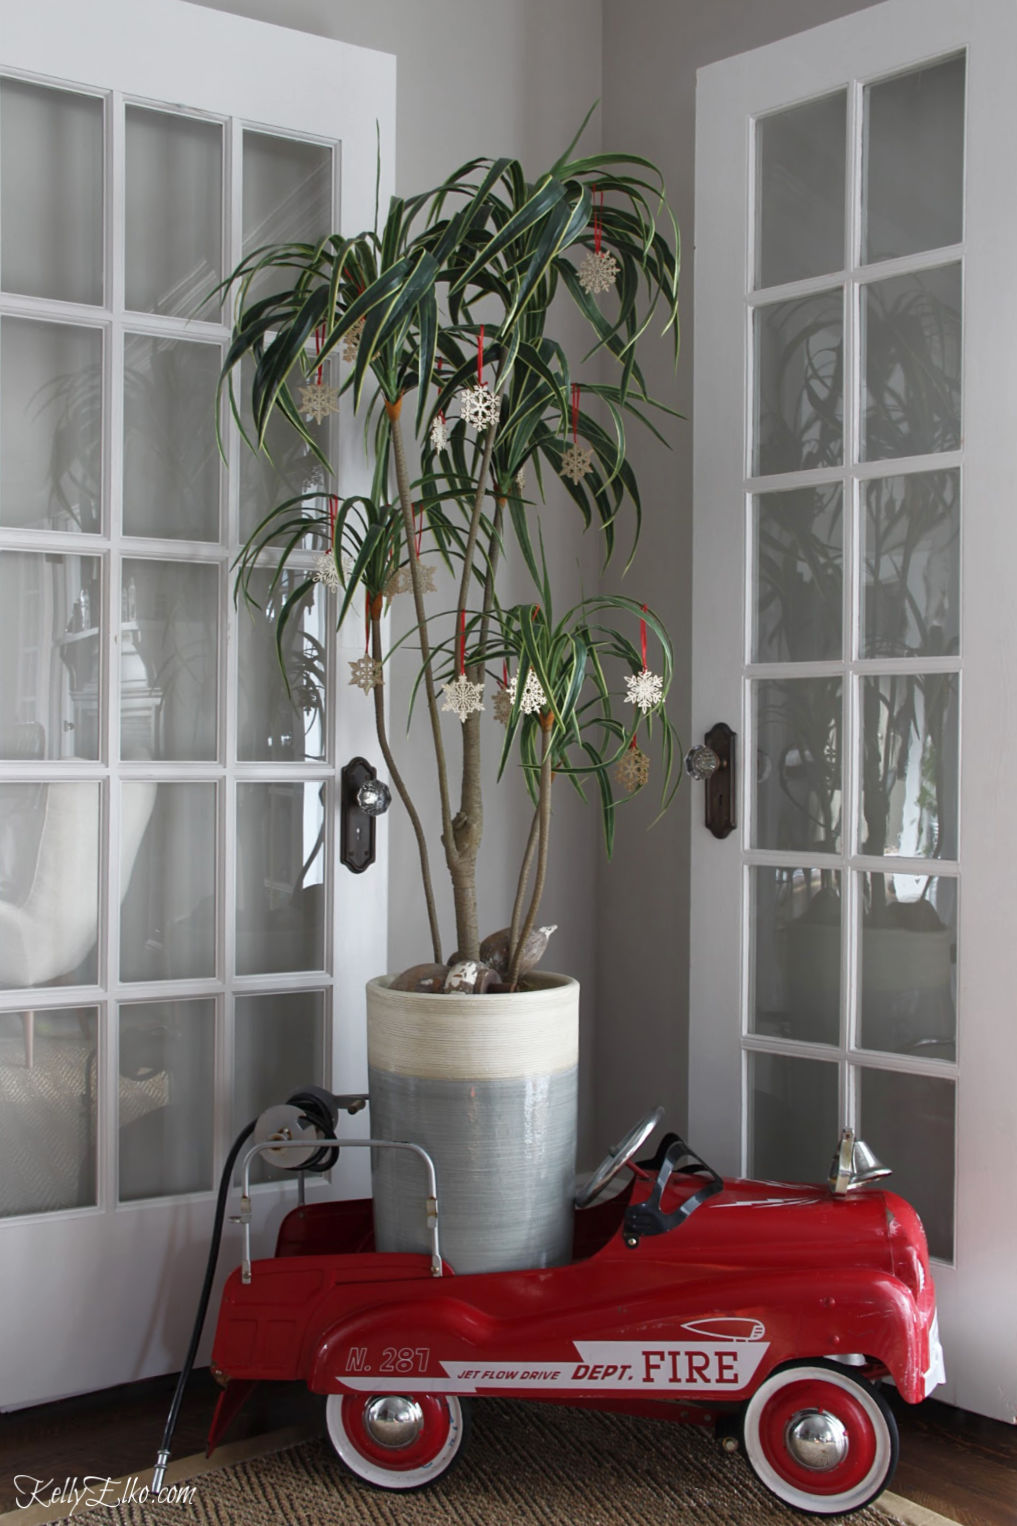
<point x="618" y="1157"/>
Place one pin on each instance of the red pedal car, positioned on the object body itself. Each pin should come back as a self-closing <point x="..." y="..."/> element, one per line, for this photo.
<point x="767" y="1310"/>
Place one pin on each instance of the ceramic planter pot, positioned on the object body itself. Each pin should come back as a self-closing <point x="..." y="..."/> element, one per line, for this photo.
<point x="488" y="1085"/>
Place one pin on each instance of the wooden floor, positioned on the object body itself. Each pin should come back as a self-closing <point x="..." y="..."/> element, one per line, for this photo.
<point x="960" y="1465"/>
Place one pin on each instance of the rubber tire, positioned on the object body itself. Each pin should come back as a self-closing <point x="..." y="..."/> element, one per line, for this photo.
<point x="369" y="1465"/>
<point x="863" y="1409"/>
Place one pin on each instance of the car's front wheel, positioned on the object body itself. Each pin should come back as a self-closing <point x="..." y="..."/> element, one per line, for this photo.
<point x="397" y="1441"/>
<point x="819" y="1438"/>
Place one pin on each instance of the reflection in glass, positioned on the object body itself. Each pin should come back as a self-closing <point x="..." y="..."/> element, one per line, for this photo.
<point x="909" y="1122"/>
<point x="913" y="172"/>
<point x="49" y="661"/>
<point x="49" y="883"/>
<point x="799" y="390"/>
<point x="48" y="1079"/>
<point x="166" y="1097"/>
<point x="50" y="426"/>
<point x="798" y="575"/>
<point x="279" y="1048"/>
<point x="911" y="366"/>
<point x="796" y="942"/>
<point x="168" y="660"/>
<point x="173" y="261"/>
<point x="167" y="878"/>
<point x="171" y="460"/>
<point x="287" y="196"/>
<point x="280" y="877"/>
<point x="275" y="723"/>
<point x="51" y="165"/>
<point x="911" y="592"/>
<point x="793" y="1119"/>
<point x="802" y="154"/>
<point x="286" y="467"/>
<point x="909" y="765"/>
<point x="798" y="764"/>
<point x="909" y="965"/>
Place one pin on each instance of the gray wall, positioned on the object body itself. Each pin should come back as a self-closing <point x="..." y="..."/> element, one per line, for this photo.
<point x="651" y="54"/>
<point x="516" y="77"/>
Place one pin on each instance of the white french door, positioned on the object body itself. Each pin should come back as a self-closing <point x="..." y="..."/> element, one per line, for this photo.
<point x="855" y="543"/>
<point x="178" y="945"/>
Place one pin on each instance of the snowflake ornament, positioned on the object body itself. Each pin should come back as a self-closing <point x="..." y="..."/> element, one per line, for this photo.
<point x="317" y="401"/>
<point x="366" y="673"/>
<point x="439" y="434"/>
<point x="534" y="699"/>
<point x="644" y="689"/>
<point x="598" y="271"/>
<point x="633" y="771"/>
<point x="503" y="704"/>
<point x="427" y="582"/>
<point x="576" y="461"/>
<point x="463" y="697"/>
<point x="352" y="338"/>
<point x="479" y="406"/>
<point x="521" y="479"/>
<point x="401" y="581"/>
<point x="325" y="570"/>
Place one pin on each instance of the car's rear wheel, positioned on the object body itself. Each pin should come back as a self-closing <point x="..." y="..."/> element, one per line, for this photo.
<point x="819" y="1438"/>
<point x="397" y="1441"/>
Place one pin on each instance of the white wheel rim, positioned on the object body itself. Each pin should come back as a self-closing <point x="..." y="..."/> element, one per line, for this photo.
<point x="819" y="1504"/>
<point x="376" y="1473"/>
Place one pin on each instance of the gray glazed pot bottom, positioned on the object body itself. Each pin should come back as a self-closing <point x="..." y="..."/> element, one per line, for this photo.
<point x="505" y="1157"/>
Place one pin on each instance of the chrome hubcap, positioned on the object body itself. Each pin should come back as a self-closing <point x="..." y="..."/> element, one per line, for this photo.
<point x="393" y="1420"/>
<point x="816" y="1439"/>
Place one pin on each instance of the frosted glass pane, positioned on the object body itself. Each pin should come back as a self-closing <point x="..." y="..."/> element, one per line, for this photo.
<point x="173" y="234"/>
<point x="796" y="926"/>
<point x="280" y="877"/>
<point x="913" y="175"/>
<point x="802" y="154"/>
<point x="279" y="1049"/>
<point x="287" y="195"/>
<point x="911" y="343"/>
<point x="168" y="660"/>
<point x="798" y="575"/>
<point x="167" y="877"/>
<point x="171" y="460"/>
<point x="49" y="883"/>
<point x="166" y="1098"/>
<point x="48" y="1067"/>
<point x="794" y="1117"/>
<point x="799" y="386"/>
<point x="798" y="764"/>
<point x="51" y="198"/>
<point x="909" y="965"/>
<point x="911" y="592"/>
<point x="909" y="765"/>
<point x="50" y="426"/>
<point x="287" y="466"/>
<point x="909" y="1122"/>
<point x="49" y="661"/>
<point x="276" y="724"/>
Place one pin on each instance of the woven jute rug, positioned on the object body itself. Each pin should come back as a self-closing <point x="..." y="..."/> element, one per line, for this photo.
<point x="523" y="1465"/>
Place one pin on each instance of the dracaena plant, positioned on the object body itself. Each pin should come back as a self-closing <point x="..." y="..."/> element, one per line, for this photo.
<point x="435" y="326"/>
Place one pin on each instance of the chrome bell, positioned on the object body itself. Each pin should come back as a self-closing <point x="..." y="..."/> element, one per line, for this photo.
<point x="853" y="1165"/>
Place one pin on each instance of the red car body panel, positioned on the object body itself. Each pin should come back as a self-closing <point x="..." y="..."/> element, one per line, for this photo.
<point x="761" y="1274"/>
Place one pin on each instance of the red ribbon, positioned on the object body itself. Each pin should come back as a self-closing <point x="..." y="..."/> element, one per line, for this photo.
<point x="367" y="622"/>
<point x="462" y="641"/>
<point x="480" y="357"/>
<point x="319" y="335"/>
<point x="504" y="674"/>
<point x="642" y="638"/>
<point x="333" y="509"/>
<point x="418" y="520"/>
<point x="576" y="390"/>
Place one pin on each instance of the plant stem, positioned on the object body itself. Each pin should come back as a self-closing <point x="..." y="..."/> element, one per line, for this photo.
<point x="543" y="842"/>
<point x="524" y="875"/>
<point x="402" y="791"/>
